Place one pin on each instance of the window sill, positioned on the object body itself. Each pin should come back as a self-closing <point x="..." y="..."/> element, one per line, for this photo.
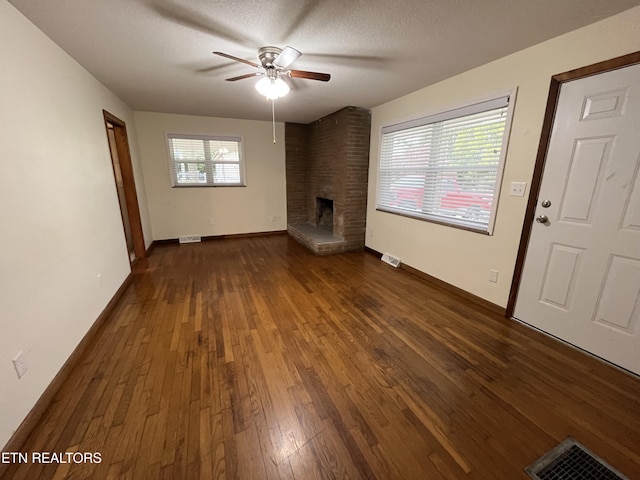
<point x="210" y="186"/>
<point x="434" y="220"/>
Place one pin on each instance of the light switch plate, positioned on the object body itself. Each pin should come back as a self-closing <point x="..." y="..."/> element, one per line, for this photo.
<point x="517" y="189"/>
<point x="493" y="276"/>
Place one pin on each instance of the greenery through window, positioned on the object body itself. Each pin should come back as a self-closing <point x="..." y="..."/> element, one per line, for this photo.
<point x="447" y="167"/>
<point x="198" y="160"/>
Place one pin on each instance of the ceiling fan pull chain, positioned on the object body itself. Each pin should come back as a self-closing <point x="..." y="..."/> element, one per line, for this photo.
<point x="273" y="118"/>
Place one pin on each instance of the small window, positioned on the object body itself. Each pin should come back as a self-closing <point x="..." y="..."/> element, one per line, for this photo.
<point x="446" y="168"/>
<point x="204" y="161"/>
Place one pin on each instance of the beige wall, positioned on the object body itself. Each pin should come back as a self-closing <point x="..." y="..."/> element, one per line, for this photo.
<point x="61" y="224"/>
<point x="258" y="207"/>
<point x="463" y="258"/>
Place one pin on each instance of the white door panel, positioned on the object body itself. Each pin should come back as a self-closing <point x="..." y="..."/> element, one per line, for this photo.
<point x="581" y="276"/>
<point x="561" y="275"/>
<point x="618" y="304"/>
<point x="586" y="167"/>
<point x="631" y="213"/>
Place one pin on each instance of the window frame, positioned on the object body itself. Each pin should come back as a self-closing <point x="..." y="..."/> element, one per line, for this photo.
<point x="451" y="113"/>
<point x="208" y="163"/>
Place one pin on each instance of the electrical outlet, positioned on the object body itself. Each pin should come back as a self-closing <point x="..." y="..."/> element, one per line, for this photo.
<point x="212" y="221"/>
<point x="493" y="276"/>
<point x="20" y="364"/>
<point x="517" y="189"/>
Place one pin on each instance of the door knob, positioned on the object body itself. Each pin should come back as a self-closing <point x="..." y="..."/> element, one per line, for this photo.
<point x="542" y="219"/>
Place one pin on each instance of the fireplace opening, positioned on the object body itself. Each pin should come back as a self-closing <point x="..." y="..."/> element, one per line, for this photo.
<point x="324" y="211"/>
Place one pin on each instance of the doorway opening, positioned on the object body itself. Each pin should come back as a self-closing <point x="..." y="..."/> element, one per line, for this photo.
<point x="577" y="273"/>
<point x="125" y="185"/>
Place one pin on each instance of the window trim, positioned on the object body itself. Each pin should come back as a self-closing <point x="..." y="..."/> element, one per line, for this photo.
<point x="444" y="114"/>
<point x="195" y="136"/>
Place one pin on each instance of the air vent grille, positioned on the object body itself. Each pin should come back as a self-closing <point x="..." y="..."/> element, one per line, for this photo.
<point x="571" y="461"/>
<point x="189" y="239"/>
<point x="391" y="259"/>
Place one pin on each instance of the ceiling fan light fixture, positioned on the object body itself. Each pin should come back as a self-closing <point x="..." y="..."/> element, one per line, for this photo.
<point x="272" y="88"/>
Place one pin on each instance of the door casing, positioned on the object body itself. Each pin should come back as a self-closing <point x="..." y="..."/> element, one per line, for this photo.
<point x="128" y="181"/>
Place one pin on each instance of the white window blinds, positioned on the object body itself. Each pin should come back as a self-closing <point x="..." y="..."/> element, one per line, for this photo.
<point x="446" y="167"/>
<point x="197" y="160"/>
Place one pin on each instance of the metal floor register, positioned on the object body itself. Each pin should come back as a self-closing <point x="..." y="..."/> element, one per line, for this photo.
<point x="571" y="461"/>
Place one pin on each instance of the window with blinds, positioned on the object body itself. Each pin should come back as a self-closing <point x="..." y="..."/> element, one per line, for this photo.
<point x="205" y="161"/>
<point x="446" y="168"/>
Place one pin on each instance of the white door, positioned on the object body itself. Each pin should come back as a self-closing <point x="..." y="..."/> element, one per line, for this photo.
<point x="581" y="277"/>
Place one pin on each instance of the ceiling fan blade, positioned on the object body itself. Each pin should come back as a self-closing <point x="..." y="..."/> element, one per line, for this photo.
<point x="287" y="56"/>
<point x="323" y="77"/>
<point x="242" y="60"/>
<point x="248" y="75"/>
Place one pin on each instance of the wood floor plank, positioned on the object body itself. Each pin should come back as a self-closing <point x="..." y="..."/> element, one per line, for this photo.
<point x="253" y="358"/>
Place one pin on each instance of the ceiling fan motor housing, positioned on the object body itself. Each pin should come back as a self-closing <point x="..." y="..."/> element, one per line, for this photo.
<point x="267" y="55"/>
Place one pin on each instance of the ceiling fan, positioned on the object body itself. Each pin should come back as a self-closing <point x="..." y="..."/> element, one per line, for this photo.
<point x="274" y="63"/>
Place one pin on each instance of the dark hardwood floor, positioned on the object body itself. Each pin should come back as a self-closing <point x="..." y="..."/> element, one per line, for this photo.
<point x="251" y="358"/>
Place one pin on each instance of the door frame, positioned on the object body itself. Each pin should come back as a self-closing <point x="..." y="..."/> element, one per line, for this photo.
<point x="128" y="180"/>
<point x="545" y="137"/>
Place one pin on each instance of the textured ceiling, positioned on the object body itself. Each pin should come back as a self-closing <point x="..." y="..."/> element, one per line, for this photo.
<point x="156" y="54"/>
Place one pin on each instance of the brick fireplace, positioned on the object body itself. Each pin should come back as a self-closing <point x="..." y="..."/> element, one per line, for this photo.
<point x="327" y="165"/>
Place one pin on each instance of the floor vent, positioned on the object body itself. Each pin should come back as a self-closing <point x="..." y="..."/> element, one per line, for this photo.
<point x="571" y="461"/>
<point x="189" y="239"/>
<point x="390" y="259"/>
